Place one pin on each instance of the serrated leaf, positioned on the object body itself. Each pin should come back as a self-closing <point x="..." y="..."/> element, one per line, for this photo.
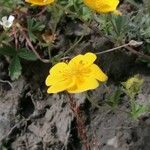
<point x="138" y="110"/>
<point x="26" y="54"/>
<point x="9" y="51"/>
<point x="15" y="68"/>
<point x="115" y="98"/>
<point x="33" y="27"/>
<point x="33" y="38"/>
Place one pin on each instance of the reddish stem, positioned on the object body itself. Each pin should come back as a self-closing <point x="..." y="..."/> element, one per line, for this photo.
<point x="80" y="122"/>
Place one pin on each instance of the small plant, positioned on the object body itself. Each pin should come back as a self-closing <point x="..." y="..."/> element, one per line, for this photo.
<point x="114" y="99"/>
<point x="132" y="87"/>
<point x="33" y="27"/>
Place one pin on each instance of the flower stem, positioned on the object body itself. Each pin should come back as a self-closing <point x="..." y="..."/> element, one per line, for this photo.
<point x="71" y="48"/>
<point x="74" y="45"/>
<point x="80" y="122"/>
<point x="113" y="49"/>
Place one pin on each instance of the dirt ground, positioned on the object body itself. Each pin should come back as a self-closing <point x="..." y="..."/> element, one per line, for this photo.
<point x="30" y="119"/>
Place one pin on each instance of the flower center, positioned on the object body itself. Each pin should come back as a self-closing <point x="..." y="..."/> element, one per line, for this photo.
<point x="79" y="70"/>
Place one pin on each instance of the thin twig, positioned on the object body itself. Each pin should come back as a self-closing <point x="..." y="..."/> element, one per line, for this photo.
<point x="15" y="36"/>
<point x="137" y="53"/>
<point x="128" y="47"/>
<point x="31" y="46"/>
<point x="74" y="45"/>
<point x="41" y="12"/>
<point x="6" y="81"/>
<point x="113" y="49"/>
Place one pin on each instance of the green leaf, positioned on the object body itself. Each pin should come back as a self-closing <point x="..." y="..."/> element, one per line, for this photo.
<point x="9" y="51"/>
<point x="115" y="98"/>
<point x="15" y="68"/>
<point x="26" y="54"/>
<point x="138" y="110"/>
<point x="33" y="27"/>
<point x="32" y="37"/>
<point x="120" y="23"/>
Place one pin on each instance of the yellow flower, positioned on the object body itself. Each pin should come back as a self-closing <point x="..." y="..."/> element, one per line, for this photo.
<point x="78" y="75"/>
<point x="103" y="6"/>
<point x="40" y="2"/>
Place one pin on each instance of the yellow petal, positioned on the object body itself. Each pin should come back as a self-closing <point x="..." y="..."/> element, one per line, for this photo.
<point x="102" y="6"/>
<point x="84" y="85"/>
<point x="51" y="80"/>
<point x="89" y="58"/>
<point x="58" y="69"/>
<point x="57" y="74"/>
<point x="60" y="86"/>
<point x="40" y="2"/>
<point x="74" y="61"/>
<point x="84" y="60"/>
<point x="97" y="73"/>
